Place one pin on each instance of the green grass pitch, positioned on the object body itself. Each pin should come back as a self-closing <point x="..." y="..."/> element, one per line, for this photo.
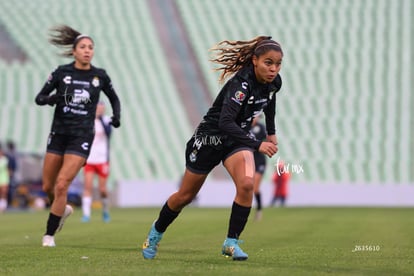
<point x="290" y="241"/>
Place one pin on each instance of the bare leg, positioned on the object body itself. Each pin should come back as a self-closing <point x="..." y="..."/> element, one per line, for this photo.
<point x="70" y="168"/>
<point x="88" y="184"/>
<point x="51" y="166"/>
<point x="103" y="191"/>
<point x="241" y="168"/>
<point x="3" y="197"/>
<point x="102" y="180"/>
<point x="191" y="184"/>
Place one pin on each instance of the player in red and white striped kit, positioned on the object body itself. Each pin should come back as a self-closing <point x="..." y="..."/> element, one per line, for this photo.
<point x="98" y="165"/>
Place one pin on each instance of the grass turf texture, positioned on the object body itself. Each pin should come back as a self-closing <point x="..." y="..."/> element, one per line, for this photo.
<point x="290" y="241"/>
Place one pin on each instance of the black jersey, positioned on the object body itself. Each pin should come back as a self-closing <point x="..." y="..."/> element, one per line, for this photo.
<point x="78" y="94"/>
<point x="240" y="100"/>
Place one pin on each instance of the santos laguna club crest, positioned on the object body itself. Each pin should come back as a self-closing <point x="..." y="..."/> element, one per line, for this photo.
<point x="193" y="156"/>
<point x="95" y="82"/>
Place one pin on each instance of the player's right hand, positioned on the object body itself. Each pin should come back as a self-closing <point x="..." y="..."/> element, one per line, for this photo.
<point x="52" y="99"/>
<point x="268" y="148"/>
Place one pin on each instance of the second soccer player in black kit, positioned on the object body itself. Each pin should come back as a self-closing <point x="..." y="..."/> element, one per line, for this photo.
<point x="258" y="130"/>
<point x="78" y="86"/>
<point x="223" y="136"/>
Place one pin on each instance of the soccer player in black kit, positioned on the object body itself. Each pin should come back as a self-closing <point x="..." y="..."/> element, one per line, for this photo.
<point x="78" y="86"/>
<point x="258" y="130"/>
<point x="223" y="136"/>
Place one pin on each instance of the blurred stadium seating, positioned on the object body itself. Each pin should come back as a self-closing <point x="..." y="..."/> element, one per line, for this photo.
<point x="344" y="112"/>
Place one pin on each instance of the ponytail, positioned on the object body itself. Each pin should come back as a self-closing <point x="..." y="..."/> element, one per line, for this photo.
<point x="66" y="37"/>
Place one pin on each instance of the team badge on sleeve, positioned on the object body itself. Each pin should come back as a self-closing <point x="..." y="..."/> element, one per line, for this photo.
<point x="50" y="77"/>
<point x="239" y="97"/>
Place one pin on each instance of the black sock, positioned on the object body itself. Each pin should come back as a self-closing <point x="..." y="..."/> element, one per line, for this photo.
<point x="165" y="218"/>
<point x="52" y="224"/>
<point x="238" y="219"/>
<point x="258" y="201"/>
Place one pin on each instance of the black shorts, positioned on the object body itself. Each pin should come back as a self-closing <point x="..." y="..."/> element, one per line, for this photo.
<point x="201" y="156"/>
<point x="68" y="144"/>
<point x="259" y="162"/>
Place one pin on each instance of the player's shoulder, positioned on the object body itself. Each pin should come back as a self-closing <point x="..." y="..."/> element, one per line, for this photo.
<point x="246" y="74"/>
<point x="98" y="71"/>
<point x="243" y="80"/>
<point x="64" y="68"/>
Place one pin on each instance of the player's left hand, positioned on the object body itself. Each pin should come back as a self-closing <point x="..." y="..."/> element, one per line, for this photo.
<point x="272" y="139"/>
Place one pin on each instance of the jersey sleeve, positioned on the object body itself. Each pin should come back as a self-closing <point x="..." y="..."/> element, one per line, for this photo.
<point x="109" y="91"/>
<point x="50" y="85"/>
<point x="235" y="95"/>
<point x="270" y="111"/>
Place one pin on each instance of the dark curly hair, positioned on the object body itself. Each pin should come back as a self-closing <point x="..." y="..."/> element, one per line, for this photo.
<point x="234" y="55"/>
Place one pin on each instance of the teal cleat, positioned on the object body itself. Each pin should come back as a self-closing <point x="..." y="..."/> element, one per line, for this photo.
<point x="232" y="249"/>
<point x="150" y="246"/>
<point x="85" y="219"/>
<point x="106" y="217"/>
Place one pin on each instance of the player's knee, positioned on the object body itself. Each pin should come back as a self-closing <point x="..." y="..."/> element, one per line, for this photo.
<point x="62" y="185"/>
<point x="183" y="199"/>
<point x="47" y="188"/>
<point x="246" y="185"/>
<point x="187" y="199"/>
